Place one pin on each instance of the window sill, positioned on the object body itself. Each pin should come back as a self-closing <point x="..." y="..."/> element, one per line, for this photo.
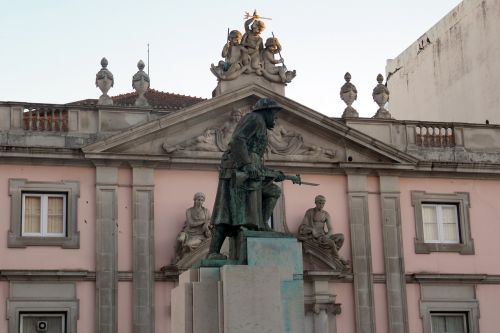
<point x="425" y="248"/>
<point x="15" y="241"/>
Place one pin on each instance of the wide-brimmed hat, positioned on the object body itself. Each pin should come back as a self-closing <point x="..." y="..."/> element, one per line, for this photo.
<point x="266" y="103"/>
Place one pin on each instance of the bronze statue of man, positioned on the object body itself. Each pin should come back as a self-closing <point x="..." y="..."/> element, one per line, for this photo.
<point x="246" y="195"/>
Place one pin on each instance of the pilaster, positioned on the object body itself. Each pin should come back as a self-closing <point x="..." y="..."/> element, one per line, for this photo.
<point x="143" y="250"/>
<point x="361" y="253"/>
<point x="106" y="249"/>
<point x="321" y="306"/>
<point x="393" y="254"/>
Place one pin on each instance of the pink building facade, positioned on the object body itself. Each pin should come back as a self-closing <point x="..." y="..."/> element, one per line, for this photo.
<point x="419" y="213"/>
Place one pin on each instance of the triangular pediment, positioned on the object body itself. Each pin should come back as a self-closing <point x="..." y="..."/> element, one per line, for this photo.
<point x="199" y="134"/>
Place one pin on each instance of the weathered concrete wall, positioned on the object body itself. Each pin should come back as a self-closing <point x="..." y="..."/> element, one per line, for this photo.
<point x="452" y="72"/>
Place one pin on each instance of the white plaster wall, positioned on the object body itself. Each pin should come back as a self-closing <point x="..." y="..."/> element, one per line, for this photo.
<point x="455" y="77"/>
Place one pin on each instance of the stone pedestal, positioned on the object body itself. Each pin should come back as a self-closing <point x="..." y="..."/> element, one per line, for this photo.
<point x="265" y="294"/>
<point x="244" y="80"/>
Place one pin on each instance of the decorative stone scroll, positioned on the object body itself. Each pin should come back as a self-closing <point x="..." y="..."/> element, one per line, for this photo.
<point x="281" y="141"/>
<point x="246" y="54"/>
<point x="104" y="81"/>
<point x="286" y="142"/>
<point x="212" y="139"/>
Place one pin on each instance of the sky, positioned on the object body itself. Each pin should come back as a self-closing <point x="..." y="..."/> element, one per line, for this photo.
<point x="51" y="50"/>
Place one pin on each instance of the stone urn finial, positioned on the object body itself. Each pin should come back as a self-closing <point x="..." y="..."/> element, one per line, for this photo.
<point x="104" y="81"/>
<point x="140" y="82"/>
<point x="381" y="96"/>
<point x="348" y="94"/>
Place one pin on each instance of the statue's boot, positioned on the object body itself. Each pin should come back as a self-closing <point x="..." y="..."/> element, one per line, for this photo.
<point x="216" y="244"/>
<point x="267" y="212"/>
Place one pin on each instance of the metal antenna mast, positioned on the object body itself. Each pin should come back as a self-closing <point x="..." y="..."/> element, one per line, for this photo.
<point x="148" y="59"/>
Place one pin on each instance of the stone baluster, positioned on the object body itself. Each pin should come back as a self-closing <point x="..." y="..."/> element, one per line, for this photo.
<point x="423" y="131"/>
<point x="442" y="136"/>
<point x="349" y="93"/>
<point x="418" y="136"/>
<point x="381" y="96"/>
<point x="59" y="120"/>
<point x="430" y="136"/>
<point x="30" y="116"/>
<point x="52" y="120"/>
<point x="45" y="120"/>
<point x="449" y="136"/>
<point x="37" y="119"/>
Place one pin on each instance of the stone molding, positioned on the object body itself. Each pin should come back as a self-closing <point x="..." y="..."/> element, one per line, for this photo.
<point x="357" y="192"/>
<point x="143" y="274"/>
<point x="462" y="200"/>
<point x="169" y="273"/>
<point x="33" y="297"/>
<point x="331" y="308"/>
<point x="393" y="254"/>
<point x="449" y="298"/>
<point x="70" y="188"/>
<point x="106" y="249"/>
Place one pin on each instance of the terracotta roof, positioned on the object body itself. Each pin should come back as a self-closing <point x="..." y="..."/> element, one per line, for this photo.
<point x="157" y="99"/>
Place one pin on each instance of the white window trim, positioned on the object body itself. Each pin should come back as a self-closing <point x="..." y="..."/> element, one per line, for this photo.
<point x="43" y="215"/>
<point x="439" y="221"/>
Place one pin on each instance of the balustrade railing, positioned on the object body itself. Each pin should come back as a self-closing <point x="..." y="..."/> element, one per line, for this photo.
<point x="45" y="120"/>
<point x="434" y="136"/>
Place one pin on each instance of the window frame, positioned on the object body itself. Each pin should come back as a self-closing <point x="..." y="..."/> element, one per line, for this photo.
<point x="439" y="222"/>
<point x="44" y="214"/>
<point x="17" y="190"/>
<point x="463" y="315"/>
<point x="62" y="315"/>
<point x="462" y="202"/>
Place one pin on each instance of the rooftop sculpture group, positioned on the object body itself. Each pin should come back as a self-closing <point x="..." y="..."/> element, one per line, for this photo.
<point x="246" y="54"/>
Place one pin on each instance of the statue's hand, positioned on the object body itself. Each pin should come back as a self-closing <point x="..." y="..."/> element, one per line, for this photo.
<point x="296" y="179"/>
<point x="252" y="171"/>
<point x="279" y="177"/>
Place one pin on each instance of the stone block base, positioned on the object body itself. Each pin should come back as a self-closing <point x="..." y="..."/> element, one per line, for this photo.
<point x="266" y="295"/>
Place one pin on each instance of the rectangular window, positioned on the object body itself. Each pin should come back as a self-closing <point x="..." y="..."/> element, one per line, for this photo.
<point x="440" y="223"/>
<point x="449" y="322"/>
<point x="44" y="215"/>
<point x="42" y="322"/>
